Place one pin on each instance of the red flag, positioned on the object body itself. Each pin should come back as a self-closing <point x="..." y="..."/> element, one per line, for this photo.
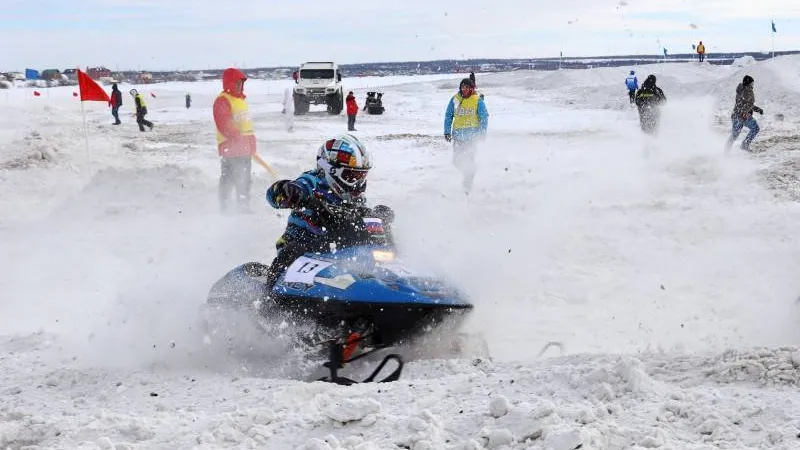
<point x="36" y="93"/>
<point x="90" y="90"/>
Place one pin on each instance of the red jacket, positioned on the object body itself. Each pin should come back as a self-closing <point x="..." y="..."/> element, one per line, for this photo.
<point x="236" y="144"/>
<point x="352" y="106"/>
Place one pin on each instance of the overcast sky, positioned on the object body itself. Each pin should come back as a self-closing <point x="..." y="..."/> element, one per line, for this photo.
<point x="202" y="34"/>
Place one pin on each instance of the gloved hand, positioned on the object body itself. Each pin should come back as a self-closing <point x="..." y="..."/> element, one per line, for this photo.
<point x="383" y="212"/>
<point x="290" y="195"/>
<point x="448" y="138"/>
<point x="758" y="110"/>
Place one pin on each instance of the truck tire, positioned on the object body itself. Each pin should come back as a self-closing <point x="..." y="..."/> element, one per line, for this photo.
<point x="335" y="103"/>
<point x="300" y="105"/>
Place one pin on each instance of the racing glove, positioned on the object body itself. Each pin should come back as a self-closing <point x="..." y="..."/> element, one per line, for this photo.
<point x="758" y="110"/>
<point x="290" y="195"/>
<point x="448" y="138"/>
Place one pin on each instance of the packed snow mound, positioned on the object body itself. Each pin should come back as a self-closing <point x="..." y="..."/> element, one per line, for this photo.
<point x="598" y="402"/>
<point x="743" y="61"/>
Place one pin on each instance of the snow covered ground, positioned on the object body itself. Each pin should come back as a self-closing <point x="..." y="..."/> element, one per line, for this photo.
<point x="666" y="271"/>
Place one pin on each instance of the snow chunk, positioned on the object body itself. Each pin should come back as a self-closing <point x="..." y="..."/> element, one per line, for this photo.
<point x="563" y="439"/>
<point x="498" y="407"/>
<point x="348" y="409"/>
<point x="317" y="444"/>
<point x="499" y="438"/>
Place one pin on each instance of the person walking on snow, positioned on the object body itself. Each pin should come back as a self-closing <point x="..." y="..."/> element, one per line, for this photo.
<point x="115" y="102"/>
<point x="701" y="51"/>
<point x="236" y="141"/>
<point x="466" y="121"/>
<point x="288" y="109"/>
<point x="648" y="101"/>
<point x="633" y="84"/>
<point x="141" y="110"/>
<point x="352" y="110"/>
<point x="188" y="101"/>
<point x="742" y="115"/>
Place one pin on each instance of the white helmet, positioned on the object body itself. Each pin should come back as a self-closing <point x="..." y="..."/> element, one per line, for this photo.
<point x="345" y="162"/>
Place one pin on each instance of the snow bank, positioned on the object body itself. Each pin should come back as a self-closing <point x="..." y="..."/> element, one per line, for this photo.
<point x="600" y="402"/>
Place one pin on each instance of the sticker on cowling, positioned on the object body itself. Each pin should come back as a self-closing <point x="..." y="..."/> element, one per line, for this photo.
<point x="340" y="282"/>
<point x="398" y="269"/>
<point x="303" y="270"/>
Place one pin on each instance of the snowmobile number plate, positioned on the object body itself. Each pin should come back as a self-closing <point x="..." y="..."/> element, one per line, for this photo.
<point x="304" y="269"/>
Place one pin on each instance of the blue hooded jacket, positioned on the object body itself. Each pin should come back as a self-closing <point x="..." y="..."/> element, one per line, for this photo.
<point x="631" y="82"/>
<point x="303" y="221"/>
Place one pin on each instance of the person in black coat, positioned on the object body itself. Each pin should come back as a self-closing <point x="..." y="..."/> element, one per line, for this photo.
<point x="648" y="101"/>
<point x="115" y="102"/>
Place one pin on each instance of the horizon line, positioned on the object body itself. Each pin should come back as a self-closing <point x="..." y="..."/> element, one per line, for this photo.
<point x="657" y="57"/>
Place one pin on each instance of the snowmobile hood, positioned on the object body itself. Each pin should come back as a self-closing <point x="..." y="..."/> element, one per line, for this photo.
<point x="229" y="79"/>
<point x="369" y="274"/>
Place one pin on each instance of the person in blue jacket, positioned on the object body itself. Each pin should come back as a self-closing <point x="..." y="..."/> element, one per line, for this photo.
<point x="466" y="121"/>
<point x="633" y="84"/>
<point x="339" y="179"/>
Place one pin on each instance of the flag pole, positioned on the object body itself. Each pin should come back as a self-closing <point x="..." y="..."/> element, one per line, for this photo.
<point x="773" y="38"/>
<point x="773" y="44"/>
<point x="86" y="140"/>
<point x="85" y="129"/>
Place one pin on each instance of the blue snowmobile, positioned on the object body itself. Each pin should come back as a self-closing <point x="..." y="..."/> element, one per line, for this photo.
<point x="359" y="295"/>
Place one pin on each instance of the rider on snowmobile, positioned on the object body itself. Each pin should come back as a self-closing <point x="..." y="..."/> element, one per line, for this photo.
<point x="340" y="179"/>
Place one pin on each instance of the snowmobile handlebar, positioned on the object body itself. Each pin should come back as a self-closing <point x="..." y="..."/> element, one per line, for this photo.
<point x="349" y="211"/>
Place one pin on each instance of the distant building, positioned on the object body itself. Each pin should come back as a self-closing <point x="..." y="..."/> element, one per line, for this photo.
<point x="71" y="74"/>
<point x="98" y="72"/>
<point x="50" y="75"/>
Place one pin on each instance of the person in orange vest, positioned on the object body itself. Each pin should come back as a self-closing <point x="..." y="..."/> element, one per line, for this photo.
<point x="236" y="141"/>
<point x="352" y="110"/>
<point x="701" y="51"/>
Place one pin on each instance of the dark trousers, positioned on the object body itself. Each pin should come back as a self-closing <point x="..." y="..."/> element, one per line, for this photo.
<point x="115" y="113"/>
<point x="701" y="56"/>
<point x="235" y="174"/>
<point x="143" y="122"/>
<point x="351" y="122"/>
<point x="632" y="95"/>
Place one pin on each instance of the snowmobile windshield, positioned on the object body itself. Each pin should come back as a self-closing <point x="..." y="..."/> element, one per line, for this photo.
<point x="317" y="74"/>
<point x="351" y="225"/>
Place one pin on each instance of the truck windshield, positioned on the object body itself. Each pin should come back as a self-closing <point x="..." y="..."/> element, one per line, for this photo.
<point x="319" y="74"/>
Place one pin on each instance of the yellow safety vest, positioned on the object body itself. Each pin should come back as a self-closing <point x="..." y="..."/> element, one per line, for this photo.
<point x="466" y="112"/>
<point x="241" y="116"/>
<point x="701" y="49"/>
<point x="141" y="101"/>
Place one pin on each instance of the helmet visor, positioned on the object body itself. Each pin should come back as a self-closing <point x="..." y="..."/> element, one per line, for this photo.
<point x="352" y="176"/>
